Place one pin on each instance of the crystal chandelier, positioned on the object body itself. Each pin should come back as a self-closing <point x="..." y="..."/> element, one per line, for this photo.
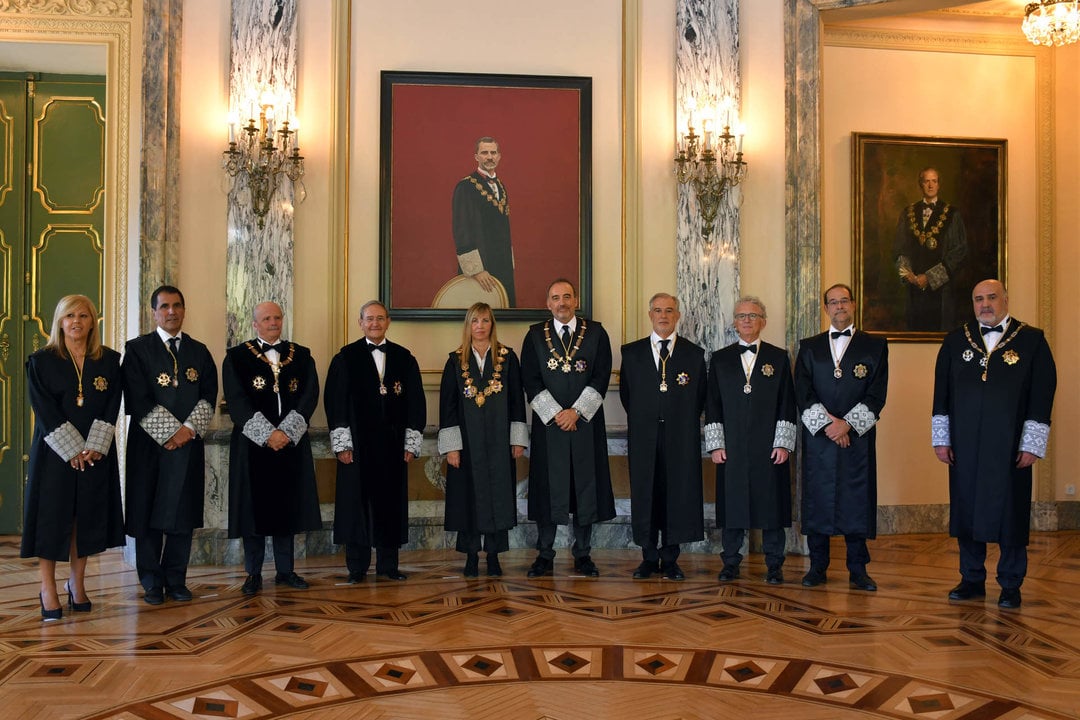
<point x="262" y="154"/>
<point x="711" y="164"/>
<point x="1052" y="22"/>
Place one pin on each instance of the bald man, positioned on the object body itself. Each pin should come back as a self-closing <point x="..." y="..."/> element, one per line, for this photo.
<point x="993" y="393"/>
<point x="271" y="390"/>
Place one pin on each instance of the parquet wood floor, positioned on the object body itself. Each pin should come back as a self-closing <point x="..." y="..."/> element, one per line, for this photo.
<point x="559" y="648"/>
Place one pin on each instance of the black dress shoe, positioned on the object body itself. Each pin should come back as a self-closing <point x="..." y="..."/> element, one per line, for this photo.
<point x="179" y="593"/>
<point x="862" y="581"/>
<point x="540" y="567"/>
<point x="494" y="568"/>
<point x="814" y="577"/>
<point x="54" y="614"/>
<point x="728" y="573"/>
<point x="673" y="572"/>
<point x="645" y="570"/>
<point x="356" y="577"/>
<point x="968" y="591"/>
<point x="394" y="574"/>
<point x="292" y="580"/>
<point x="77" y="606"/>
<point x="252" y="585"/>
<point x="1009" y="599"/>
<point x="775" y="576"/>
<point x="585" y="566"/>
<point x="154" y="596"/>
<point x="472" y="566"/>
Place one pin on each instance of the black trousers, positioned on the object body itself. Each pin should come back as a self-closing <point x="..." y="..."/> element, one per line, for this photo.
<point x="161" y="558"/>
<point x="255" y="554"/>
<point x="491" y="543"/>
<point x="358" y="558"/>
<point x="773" y="543"/>
<point x="545" y="540"/>
<point x="1011" y="567"/>
<point x="858" y="557"/>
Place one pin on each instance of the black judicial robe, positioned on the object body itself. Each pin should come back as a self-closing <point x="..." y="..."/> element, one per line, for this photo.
<point x="57" y="497"/>
<point x="165" y="487"/>
<point x="680" y="409"/>
<point x="270" y="492"/>
<point x="481" y="492"/>
<point x="560" y="460"/>
<point x="481" y="223"/>
<point x="990" y="498"/>
<point x="751" y="491"/>
<point x="840" y="484"/>
<point x="371" y="497"/>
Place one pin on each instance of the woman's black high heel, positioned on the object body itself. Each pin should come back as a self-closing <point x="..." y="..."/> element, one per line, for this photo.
<point x="77" y="606"/>
<point x="49" y="614"/>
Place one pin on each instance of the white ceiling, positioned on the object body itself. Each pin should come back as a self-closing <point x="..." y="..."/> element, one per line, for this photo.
<point x="66" y="58"/>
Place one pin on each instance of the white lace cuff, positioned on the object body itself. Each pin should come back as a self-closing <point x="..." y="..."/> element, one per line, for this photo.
<point x="160" y="424"/>
<point x="937" y="276"/>
<point x="545" y="406"/>
<point x="450" y="439"/>
<point x="785" y="435"/>
<point x="200" y="418"/>
<point x="294" y="425"/>
<point x="65" y="441"/>
<point x="1034" y="438"/>
<point x="470" y="262"/>
<point x="414" y="442"/>
<point x="519" y="434"/>
<point x="100" y="437"/>
<point x="257" y="429"/>
<point x="588" y="403"/>
<point x="340" y="440"/>
<point x="940" y="435"/>
<point x="714" y="437"/>
<point x="860" y="418"/>
<point x="815" y="417"/>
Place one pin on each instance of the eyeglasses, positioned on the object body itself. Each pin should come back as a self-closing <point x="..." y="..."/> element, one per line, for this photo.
<point x="747" y="316"/>
<point x="838" y="302"/>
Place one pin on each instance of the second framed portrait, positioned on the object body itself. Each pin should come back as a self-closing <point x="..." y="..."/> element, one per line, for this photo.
<point x="929" y="223"/>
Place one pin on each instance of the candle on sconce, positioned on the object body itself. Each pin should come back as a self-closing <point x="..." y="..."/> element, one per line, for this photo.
<point x="231" y="119"/>
<point x="296" y="134"/>
<point x="740" y="131"/>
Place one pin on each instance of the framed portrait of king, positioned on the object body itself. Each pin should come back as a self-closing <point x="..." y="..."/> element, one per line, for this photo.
<point x="485" y="192"/>
<point x="929" y="223"/>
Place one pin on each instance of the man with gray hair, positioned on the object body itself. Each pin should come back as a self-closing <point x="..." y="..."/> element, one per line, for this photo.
<point x="750" y="432"/>
<point x="662" y="388"/>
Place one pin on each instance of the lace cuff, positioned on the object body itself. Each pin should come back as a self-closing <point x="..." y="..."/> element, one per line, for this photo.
<point x="414" y="442"/>
<point x="257" y="429"/>
<point x="65" y="441"/>
<point x="588" y="403"/>
<point x="940" y="435"/>
<point x="861" y="419"/>
<point x="545" y="406"/>
<point x="200" y="417"/>
<point x="294" y="425"/>
<point x="100" y="437"/>
<point x="160" y="424"/>
<point x="937" y="276"/>
<point x="1034" y="438"/>
<point x="519" y="434"/>
<point x="470" y="262"/>
<point x="714" y="437"/>
<point x="450" y="439"/>
<point x="785" y="435"/>
<point x="815" y="418"/>
<point x="340" y="440"/>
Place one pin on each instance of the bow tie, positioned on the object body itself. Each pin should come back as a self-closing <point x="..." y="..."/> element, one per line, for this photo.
<point x="988" y="330"/>
<point x="749" y="348"/>
<point x="836" y="333"/>
<point x="372" y="347"/>
<point x="279" y="346"/>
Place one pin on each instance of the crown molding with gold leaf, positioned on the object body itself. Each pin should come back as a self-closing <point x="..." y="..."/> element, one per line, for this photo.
<point x="82" y="8"/>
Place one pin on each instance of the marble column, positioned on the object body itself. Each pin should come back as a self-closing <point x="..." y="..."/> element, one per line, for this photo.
<point x="259" y="261"/>
<point x="707" y="76"/>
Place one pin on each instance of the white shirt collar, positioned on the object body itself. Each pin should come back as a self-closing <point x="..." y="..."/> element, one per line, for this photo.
<point x="1004" y="323"/>
<point x="166" y="337"/>
<point x="655" y="339"/>
<point x="559" y="326"/>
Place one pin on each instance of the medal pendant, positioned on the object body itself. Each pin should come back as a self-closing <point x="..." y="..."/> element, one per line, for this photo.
<point x="276" y="389"/>
<point x="480" y="400"/>
<point x="984" y="376"/>
<point x="747" y="389"/>
<point x="566" y="367"/>
<point x="175" y="382"/>
<point x="837" y="373"/>
<point x="382" y="389"/>
<point x="663" y="387"/>
<point x="79" y="401"/>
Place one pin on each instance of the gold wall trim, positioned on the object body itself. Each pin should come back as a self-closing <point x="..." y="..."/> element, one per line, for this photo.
<point x="109" y="26"/>
<point x="633" y="203"/>
<point x="39" y="128"/>
<point x="340" y="154"/>
<point x="37" y="254"/>
<point x="6" y="181"/>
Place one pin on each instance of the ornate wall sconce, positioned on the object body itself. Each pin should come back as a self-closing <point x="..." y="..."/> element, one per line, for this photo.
<point x="262" y="153"/>
<point x="712" y="164"/>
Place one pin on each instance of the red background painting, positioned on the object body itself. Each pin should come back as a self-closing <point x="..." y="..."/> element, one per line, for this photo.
<point x="433" y="136"/>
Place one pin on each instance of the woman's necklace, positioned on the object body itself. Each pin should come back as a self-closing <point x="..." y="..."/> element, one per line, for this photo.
<point x="78" y="374"/>
<point x="494" y="384"/>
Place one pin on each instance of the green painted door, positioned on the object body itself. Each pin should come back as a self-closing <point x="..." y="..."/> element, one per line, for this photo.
<point x="52" y="188"/>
